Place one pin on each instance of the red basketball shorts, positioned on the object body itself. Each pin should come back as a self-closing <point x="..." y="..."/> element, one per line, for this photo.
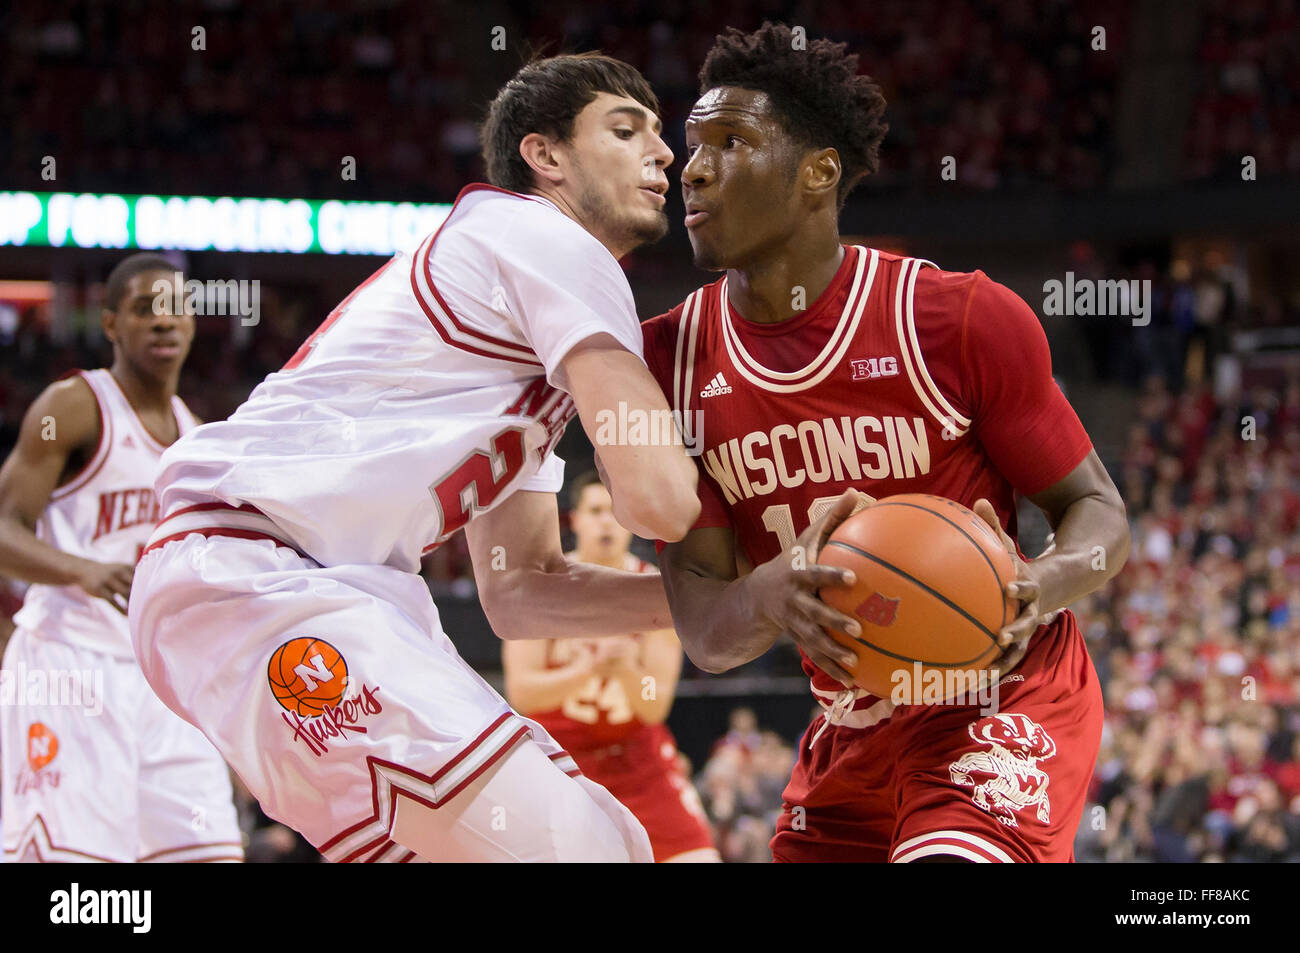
<point x="643" y="774"/>
<point x="1006" y="783"/>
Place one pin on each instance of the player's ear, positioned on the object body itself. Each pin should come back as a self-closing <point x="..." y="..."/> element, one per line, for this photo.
<point x="542" y="157"/>
<point x="108" y="321"/>
<point x="820" y="173"/>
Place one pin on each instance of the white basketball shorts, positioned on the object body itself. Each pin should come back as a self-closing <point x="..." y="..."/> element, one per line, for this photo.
<point x="340" y="702"/>
<point x="95" y="768"/>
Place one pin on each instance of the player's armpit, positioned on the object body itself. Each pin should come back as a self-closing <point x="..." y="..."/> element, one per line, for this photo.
<point x="61" y="427"/>
<point x="530" y="591"/>
<point x="651" y="479"/>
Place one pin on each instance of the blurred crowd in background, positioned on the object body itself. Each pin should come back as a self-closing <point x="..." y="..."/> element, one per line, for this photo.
<point x="1197" y="641"/>
<point x="1248" y="91"/>
<point x="1013" y="87"/>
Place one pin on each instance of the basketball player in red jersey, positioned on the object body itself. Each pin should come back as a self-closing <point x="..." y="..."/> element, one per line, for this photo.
<point x="591" y="695"/>
<point x="814" y="371"/>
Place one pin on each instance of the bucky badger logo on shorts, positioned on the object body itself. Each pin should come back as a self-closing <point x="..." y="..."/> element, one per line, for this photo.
<point x="309" y="678"/>
<point x="1006" y="777"/>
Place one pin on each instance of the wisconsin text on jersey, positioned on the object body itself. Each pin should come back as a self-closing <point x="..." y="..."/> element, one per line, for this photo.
<point x="819" y="451"/>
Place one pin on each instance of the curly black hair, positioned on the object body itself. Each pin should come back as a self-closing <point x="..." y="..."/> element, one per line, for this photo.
<point x="817" y="94"/>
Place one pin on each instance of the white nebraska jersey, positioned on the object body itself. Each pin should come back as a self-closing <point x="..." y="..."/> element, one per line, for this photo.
<point x="429" y="395"/>
<point x="106" y="513"/>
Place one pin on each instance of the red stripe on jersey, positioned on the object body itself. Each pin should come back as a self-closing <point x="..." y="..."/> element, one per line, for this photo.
<point x="205" y="507"/>
<point x="86" y="474"/>
<point x="521" y="353"/>
<point x="375" y="763"/>
<point x="219" y="531"/>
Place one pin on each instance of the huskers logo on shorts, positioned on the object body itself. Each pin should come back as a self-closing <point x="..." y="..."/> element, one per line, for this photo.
<point x="309" y="678"/>
<point x="1006" y="777"/>
<point x="42" y="747"/>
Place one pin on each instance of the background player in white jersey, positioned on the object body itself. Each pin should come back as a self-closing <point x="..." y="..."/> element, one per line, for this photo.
<point x="94" y="766"/>
<point x="607" y="700"/>
<point x="279" y="605"/>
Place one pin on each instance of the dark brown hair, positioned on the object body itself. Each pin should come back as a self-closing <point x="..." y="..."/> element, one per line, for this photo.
<point x="546" y="97"/>
<point x="579" y="486"/>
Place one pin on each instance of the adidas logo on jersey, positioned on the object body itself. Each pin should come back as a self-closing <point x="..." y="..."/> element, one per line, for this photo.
<point x="716" y="386"/>
<point x="128" y="442"/>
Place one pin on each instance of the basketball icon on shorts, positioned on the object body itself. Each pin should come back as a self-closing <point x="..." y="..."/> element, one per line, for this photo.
<point x="42" y="746"/>
<point x="306" y="675"/>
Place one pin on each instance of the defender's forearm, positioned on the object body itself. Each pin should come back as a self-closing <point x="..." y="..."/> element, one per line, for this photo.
<point x="577" y="600"/>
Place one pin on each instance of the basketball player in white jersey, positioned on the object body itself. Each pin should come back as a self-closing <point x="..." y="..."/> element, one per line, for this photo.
<point x="95" y="768"/>
<point x="279" y="605"/>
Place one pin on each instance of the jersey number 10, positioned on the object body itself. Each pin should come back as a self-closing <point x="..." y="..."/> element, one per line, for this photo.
<point x="778" y="519"/>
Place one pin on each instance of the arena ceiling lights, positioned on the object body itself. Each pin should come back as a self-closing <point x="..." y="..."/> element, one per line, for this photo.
<point x="204" y="223"/>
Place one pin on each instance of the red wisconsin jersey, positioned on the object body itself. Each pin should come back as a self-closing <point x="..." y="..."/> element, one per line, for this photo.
<point x="599" y="713"/>
<point x="899" y="378"/>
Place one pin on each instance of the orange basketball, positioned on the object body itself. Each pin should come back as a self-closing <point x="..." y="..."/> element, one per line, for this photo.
<point x="930" y="590"/>
<point x="306" y="675"/>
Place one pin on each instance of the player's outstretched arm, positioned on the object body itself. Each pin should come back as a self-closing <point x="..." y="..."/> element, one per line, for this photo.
<point x="61" y="423"/>
<point x="652" y="481"/>
<point x="724" y="621"/>
<point x="529" y="590"/>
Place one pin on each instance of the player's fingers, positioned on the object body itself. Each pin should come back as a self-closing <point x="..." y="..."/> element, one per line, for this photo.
<point x="1020" y="628"/>
<point x="830" y="667"/>
<point x="814" y="641"/>
<point x="985" y="511"/>
<point x="816" y="576"/>
<point x="819" y="613"/>
<point x="1026" y="590"/>
<point x="117" y="601"/>
<point x="840" y="510"/>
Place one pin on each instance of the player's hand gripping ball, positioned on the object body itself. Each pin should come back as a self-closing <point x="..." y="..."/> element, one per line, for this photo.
<point x="930" y="589"/>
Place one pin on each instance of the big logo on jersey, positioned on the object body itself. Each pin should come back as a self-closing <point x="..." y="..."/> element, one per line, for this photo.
<point x="309" y="678"/>
<point x="1006" y="777"/>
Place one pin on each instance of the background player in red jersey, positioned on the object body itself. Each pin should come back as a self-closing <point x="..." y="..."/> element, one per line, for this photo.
<point x="813" y="368"/>
<point x="591" y="695"/>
